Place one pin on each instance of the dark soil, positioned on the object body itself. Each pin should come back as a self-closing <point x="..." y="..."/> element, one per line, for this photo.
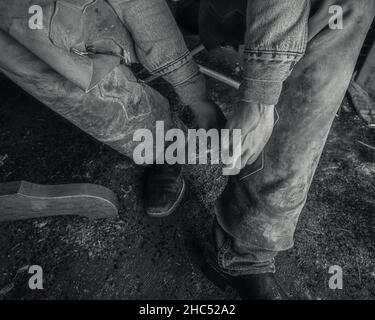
<point x="136" y="257"/>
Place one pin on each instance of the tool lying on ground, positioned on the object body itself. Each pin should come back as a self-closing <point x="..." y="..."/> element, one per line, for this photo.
<point x="24" y="200"/>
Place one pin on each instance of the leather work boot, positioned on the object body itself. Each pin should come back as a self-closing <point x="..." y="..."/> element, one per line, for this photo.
<point x="249" y="287"/>
<point x="164" y="189"/>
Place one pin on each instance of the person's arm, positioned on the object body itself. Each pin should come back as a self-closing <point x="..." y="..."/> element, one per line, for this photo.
<point x="275" y="41"/>
<point x="161" y="48"/>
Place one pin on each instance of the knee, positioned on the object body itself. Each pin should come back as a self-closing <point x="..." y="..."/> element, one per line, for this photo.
<point x="358" y="12"/>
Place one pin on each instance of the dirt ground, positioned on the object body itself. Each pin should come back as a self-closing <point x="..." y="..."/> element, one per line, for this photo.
<point x="135" y="257"/>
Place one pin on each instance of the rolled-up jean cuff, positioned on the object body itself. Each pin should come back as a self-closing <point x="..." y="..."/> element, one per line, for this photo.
<point x="264" y="92"/>
<point x="181" y="72"/>
<point x="226" y="259"/>
<point x="251" y="269"/>
<point x="192" y="90"/>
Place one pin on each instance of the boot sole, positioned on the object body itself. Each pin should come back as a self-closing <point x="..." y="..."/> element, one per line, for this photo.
<point x="24" y="200"/>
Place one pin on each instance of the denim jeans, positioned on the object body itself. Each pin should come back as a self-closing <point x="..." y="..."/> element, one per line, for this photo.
<point x="97" y="92"/>
<point x="258" y="212"/>
<point x="259" y="209"/>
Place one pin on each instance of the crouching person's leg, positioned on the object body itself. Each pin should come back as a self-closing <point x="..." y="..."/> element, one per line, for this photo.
<point x="258" y="212"/>
<point x="111" y="112"/>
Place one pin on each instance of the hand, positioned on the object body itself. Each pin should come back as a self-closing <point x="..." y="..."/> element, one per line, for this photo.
<point x="256" y="122"/>
<point x="208" y="115"/>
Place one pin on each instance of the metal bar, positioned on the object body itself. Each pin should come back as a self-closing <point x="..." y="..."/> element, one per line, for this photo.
<point x="220" y="77"/>
<point x="206" y="71"/>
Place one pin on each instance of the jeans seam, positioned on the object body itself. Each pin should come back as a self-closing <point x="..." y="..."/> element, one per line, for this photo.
<point x="234" y="271"/>
<point x="222" y="255"/>
<point x="284" y="54"/>
<point x="260" y="80"/>
<point x="222" y="251"/>
<point x="185" y="80"/>
<point x="170" y="67"/>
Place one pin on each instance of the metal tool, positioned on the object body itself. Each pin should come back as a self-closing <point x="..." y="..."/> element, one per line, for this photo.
<point x="206" y="71"/>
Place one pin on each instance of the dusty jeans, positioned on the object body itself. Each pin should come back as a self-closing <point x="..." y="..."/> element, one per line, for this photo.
<point x="259" y="209"/>
<point x="95" y="92"/>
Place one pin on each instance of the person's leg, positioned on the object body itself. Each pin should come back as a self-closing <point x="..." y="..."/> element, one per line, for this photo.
<point x="111" y="112"/>
<point x="160" y="47"/>
<point x="258" y="211"/>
